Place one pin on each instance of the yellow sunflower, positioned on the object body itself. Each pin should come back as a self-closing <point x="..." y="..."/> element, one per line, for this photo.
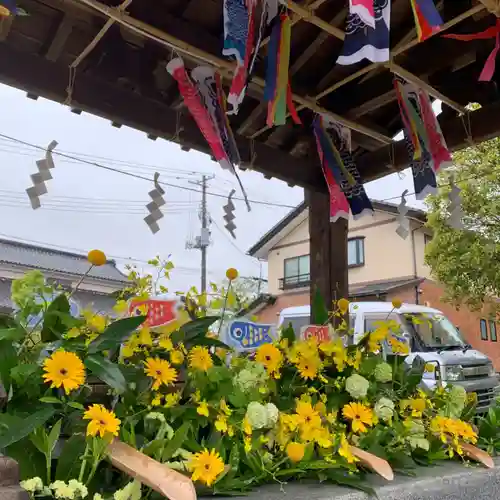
<point x="200" y="358"/>
<point x="161" y="372"/>
<point x="270" y="356"/>
<point x="102" y="421"/>
<point x="360" y="415"/>
<point x="64" y="369"/>
<point x="206" y="466"/>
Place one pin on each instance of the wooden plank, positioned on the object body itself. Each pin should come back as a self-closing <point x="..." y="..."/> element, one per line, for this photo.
<point x="328" y="251"/>
<point x="60" y="38"/>
<point x="48" y="79"/>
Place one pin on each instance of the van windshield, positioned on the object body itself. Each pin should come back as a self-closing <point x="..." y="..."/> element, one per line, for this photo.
<point x="434" y="330"/>
<point x="297" y="323"/>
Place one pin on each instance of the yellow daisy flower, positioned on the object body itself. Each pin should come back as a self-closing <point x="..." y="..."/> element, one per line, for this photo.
<point x="102" y="421"/>
<point x="161" y="372"/>
<point x="308" y="367"/>
<point x="221" y="423"/>
<point x="64" y="369"/>
<point x="166" y="343"/>
<point x="247" y="428"/>
<point x="360" y="415"/>
<point x="176" y="357"/>
<point x="270" y="356"/>
<point x="200" y="358"/>
<point x="206" y="466"/>
<point x="307" y="416"/>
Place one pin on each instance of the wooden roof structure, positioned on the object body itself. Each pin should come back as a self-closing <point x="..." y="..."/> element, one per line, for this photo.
<point x="123" y="78"/>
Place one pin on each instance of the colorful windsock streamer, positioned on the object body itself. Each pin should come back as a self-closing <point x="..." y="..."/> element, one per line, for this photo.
<point x="336" y="158"/>
<point x="364" y="9"/>
<point x="277" y="91"/>
<point x="196" y="107"/>
<point x="364" y="41"/>
<point x="490" y="64"/>
<point x="427" y="18"/>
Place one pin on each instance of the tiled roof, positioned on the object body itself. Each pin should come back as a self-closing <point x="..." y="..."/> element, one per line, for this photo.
<point x="49" y="259"/>
<point x="381" y="287"/>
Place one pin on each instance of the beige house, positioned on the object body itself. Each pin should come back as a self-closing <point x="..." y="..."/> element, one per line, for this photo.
<point x="382" y="266"/>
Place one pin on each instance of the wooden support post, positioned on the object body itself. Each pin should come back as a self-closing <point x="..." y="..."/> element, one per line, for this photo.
<point x="328" y="251"/>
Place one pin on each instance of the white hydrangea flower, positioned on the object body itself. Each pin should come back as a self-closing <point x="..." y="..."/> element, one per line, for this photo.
<point x="357" y="386"/>
<point x="80" y="489"/>
<point x="272" y="415"/>
<point x="98" y="496"/>
<point x="63" y="490"/>
<point x="32" y="485"/>
<point x="384" y="409"/>
<point x="257" y="415"/>
<point x="130" y="492"/>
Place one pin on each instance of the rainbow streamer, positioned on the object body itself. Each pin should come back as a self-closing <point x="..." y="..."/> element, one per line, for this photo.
<point x="277" y="92"/>
<point x="427" y="18"/>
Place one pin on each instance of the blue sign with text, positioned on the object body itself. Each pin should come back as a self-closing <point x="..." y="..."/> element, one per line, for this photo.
<point x="244" y="335"/>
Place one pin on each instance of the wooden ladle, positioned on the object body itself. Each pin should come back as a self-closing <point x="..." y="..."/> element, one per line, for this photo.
<point x="166" y="481"/>
<point x="478" y="455"/>
<point x="376" y="464"/>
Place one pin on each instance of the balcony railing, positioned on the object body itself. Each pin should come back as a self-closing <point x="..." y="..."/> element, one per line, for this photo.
<point x="300" y="281"/>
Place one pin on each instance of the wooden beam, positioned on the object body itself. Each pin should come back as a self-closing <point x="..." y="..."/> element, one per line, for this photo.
<point x="373" y="104"/>
<point x="5" y="24"/>
<point x="168" y="40"/>
<point x="328" y="251"/>
<point x="60" y="38"/>
<point x="493" y="6"/>
<point x="409" y="77"/>
<point x="484" y="125"/>
<point x="39" y="76"/>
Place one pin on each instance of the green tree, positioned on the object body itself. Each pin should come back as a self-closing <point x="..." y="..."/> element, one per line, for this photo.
<point x="467" y="261"/>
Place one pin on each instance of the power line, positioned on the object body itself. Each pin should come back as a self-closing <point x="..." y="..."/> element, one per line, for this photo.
<point x="137" y="176"/>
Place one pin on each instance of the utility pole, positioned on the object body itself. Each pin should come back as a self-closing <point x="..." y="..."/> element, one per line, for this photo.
<point x="203" y="241"/>
<point x="204" y="229"/>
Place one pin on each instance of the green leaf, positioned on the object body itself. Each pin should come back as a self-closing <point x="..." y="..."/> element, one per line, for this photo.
<point x="176" y="442"/>
<point x="107" y="371"/>
<point x="31" y="462"/>
<point x="76" y="406"/>
<point x="40" y="439"/>
<point x="21" y="373"/>
<point x="319" y="311"/>
<point x="22" y="428"/>
<point x="197" y="327"/>
<point x="115" y="334"/>
<point x="50" y="400"/>
<point x="53" y="436"/>
<point x="206" y="341"/>
<point x="8" y="360"/>
<point x="53" y="326"/>
<point x="70" y="459"/>
<point x="288" y="333"/>
<point x="12" y="334"/>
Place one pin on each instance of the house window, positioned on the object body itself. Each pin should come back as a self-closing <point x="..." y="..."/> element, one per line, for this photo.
<point x="356" y="252"/>
<point x="484" y="329"/>
<point x="427" y="239"/>
<point x="297" y="272"/>
<point x="493" y="331"/>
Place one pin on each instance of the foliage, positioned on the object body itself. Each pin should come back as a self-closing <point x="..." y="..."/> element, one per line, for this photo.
<point x="290" y="411"/>
<point x="466" y="261"/>
<point x="489" y="430"/>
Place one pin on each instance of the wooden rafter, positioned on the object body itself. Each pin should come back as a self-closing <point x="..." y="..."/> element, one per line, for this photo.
<point x="60" y="38"/>
<point x="5" y="25"/>
<point x="493" y="6"/>
<point x="370" y="67"/>
<point x="174" y="43"/>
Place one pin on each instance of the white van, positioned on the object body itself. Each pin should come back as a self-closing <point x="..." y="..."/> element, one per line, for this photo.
<point x="430" y="336"/>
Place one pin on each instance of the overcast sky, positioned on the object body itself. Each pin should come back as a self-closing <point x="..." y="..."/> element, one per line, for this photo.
<point x="88" y="207"/>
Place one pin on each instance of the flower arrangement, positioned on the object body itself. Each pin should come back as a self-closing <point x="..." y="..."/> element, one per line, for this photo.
<point x="294" y="409"/>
